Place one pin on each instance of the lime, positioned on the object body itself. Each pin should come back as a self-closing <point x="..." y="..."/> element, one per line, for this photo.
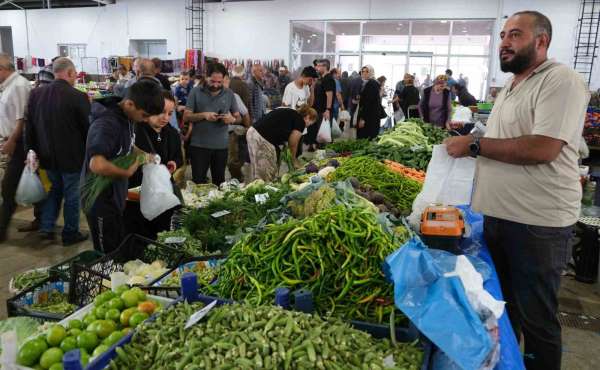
<point x="75" y="324"/>
<point x="125" y="315"/>
<point x="130" y="298"/>
<point x="29" y="353"/>
<point x="87" y="340"/>
<point x="116" y="303"/>
<point x="41" y="345"/>
<point x="104" y="328"/>
<point x="55" y="335"/>
<point x="57" y="366"/>
<point x="137" y="318"/>
<point x="99" y="350"/>
<point x="69" y="343"/>
<point x="50" y="357"/>
<point x="113" y="338"/>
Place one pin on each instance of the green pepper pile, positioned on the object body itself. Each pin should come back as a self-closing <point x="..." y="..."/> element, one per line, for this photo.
<point x="245" y="337"/>
<point x="57" y="303"/>
<point x="399" y="190"/>
<point x="336" y="254"/>
<point x="29" y="278"/>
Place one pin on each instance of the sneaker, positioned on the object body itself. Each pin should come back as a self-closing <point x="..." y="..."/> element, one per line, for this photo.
<point x="74" y="239"/>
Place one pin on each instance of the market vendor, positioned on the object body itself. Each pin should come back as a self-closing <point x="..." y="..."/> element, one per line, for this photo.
<point x="527" y="181"/>
<point x="156" y="137"/>
<point x="274" y="129"/>
<point x="111" y="135"/>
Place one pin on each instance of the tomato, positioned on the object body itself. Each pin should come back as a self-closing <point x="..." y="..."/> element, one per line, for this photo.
<point x="85" y="358"/>
<point x="147" y="307"/>
<point x="113" y="314"/>
<point x="113" y="338"/>
<point x="57" y="366"/>
<point x="50" y="357"/>
<point x="87" y="340"/>
<point x="130" y="298"/>
<point x="29" y="353"/>
<point x="75" y="324"/>
<point x="89" y="318"/>
<point x="121" y="289"/>
<point x="125" y="315"/>
<point x="104" y="297"/>
<point x="74" y="332"/>
<point x="100" y="350"/>
<point x="116" y="303"/>
<point x="69" y="343"/>
<point x="126" y="331"/>
<point x="104" y="328"/>
<point x="137" y="318"/>
<point x="55" y="335"/>
<point x="140" y="293"/>
<point x="100" y="311"/>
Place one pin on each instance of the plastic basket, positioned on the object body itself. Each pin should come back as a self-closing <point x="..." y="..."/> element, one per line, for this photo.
<point x="485" y="107"/>
<point x="19" y="305"/>
<point x="87" y="281"/>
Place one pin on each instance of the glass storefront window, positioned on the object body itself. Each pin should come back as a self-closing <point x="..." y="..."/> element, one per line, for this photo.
<point x="308" y="36"/>
<point x="385" y="35"/>
<point x="430" y="36"/>
<point x="474" y="71"/>
<point x="471" y="37"/>
<point x="343" y="37"/>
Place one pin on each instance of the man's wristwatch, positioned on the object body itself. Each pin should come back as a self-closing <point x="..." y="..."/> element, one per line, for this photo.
<point x="474" y="147"/>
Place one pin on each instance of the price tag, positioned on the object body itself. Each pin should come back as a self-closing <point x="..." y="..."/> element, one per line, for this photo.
<point x="199" y="315"/>
<point x="220" y="213"/>
<point x="271" y="187"/>
<point x="261" y="198"/>
<point x="175" y="240"/>
<point x="389" y="362"/>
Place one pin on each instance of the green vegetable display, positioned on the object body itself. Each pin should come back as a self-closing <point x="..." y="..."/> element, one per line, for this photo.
<point x="204" y="274"/>
<point x="245" y="211"/>
<point x="406" y="134"/>
<point x="191" y="245"/>
<point x="25" y="327"/>
<point x="317" y="201"/>
<point x="435" y="135"/>
<point x="399" y="190"/>
<point x="29" y="278"/>
<point x="245" y="337"/>
<point x="94" y="184"/>
<point x="336" y="254"/>
<point x="345" y="146"/>
<point x="57" y="303"/>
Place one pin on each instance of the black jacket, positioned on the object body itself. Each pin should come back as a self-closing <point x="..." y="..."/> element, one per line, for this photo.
<point x="466" y="99"/>
<point x="164" y="81"/>
<point x="168" y="147"/>
<point x="370" y="110"/>
<point x="57" y="126"/>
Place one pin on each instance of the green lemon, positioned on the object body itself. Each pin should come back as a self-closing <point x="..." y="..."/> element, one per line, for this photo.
<point x="116" y="303"/>
<point x="104" y="328"/>
<point x="74" y="332"/>
<point x="50" y="357"/>
<point x="29" y="353"/>
<point x="130" y="298"/>
<point x="137" y="318"/>
<point x="113" y="314"/>
<point x="55" y="335"/>
<point x="89" y="318"/>
<point x="75" y="324"/>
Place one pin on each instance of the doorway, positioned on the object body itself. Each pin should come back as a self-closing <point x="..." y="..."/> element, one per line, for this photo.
<point x="390" y="65"/>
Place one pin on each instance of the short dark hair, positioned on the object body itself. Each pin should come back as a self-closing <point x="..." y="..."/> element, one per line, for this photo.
<point x="541" y="23"/>
<point x="309" y="71"/>
<point x="147" y="95"/>
<point x="186" y="74"/>
<point x="449" y="72"/>
<point x="315" y="62"/>
<point x="345" y="74"/>
<point x="216" y="68"/>
<point x="167" y="95"/>
<point x="157" y="62"/>
<point x="333" y="71"/>
<point x="326" y="62"/>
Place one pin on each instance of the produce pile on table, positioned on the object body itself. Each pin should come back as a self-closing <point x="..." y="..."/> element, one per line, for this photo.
<point x="113" y="315"/>
<point x="336" y="254"/>
<point x="27" y="279"/>
<point x="206" y="272"/>
<point x="24" y="327"/>
<point x="57" y="302"/>
<point x="244" y="337"/>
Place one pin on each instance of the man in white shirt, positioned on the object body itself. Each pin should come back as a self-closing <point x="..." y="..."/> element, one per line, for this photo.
<point x="297" y="92"/>
<point x="14" y="92"/>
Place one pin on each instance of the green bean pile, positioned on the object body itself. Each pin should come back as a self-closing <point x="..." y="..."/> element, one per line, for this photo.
<point x="266" y="337"/>
<point x="336" y="254"/>
<point x="399" y="190"/>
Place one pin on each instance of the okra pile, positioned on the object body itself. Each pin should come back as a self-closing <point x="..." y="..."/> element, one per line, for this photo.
<point x="336" y="254"/>
<point x="266" y="337"/>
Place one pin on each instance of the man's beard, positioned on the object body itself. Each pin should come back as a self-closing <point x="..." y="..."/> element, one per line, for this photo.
<point x="214" y="88"/>
<point x="521" y="60"/>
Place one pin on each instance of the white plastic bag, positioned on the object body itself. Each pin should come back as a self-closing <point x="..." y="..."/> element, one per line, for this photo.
<point x="335" y="130"/>
<point x="324" y="134"/>
<point x="156" y="194"/>
<point x="449" y="181"/>
<point x="344" y="116"/>
<point x="30" y="189"/>
<point x="462" y="114"/>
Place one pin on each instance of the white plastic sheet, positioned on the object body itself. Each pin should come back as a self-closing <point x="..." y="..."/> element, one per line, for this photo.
<point x="156" y="194"/>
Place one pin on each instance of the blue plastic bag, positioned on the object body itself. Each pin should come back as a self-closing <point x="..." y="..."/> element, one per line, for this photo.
<point x="436" y="304"/>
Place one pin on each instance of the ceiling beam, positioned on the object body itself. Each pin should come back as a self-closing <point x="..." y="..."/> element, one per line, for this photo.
<point x="10" y="2"/>
<point x="104" y="2"/>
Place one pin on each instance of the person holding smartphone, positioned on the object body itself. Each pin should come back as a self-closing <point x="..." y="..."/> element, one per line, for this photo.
<point x="211" y="109"/>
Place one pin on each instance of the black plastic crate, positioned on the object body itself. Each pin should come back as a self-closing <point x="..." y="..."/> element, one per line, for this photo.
<point x="19" y="305"/>
<point x="63" y="269"/>
<point x="87" y="281"/>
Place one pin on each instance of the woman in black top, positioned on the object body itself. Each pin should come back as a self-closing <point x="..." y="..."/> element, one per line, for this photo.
<point x="408" y="96"/>
<point x="157" y="137"/>
<point x="370" y="110"/>
<point x="274" y="129"/>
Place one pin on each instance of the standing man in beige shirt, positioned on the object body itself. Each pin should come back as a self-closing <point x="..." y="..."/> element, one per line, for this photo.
<point x="527" y="181"/>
